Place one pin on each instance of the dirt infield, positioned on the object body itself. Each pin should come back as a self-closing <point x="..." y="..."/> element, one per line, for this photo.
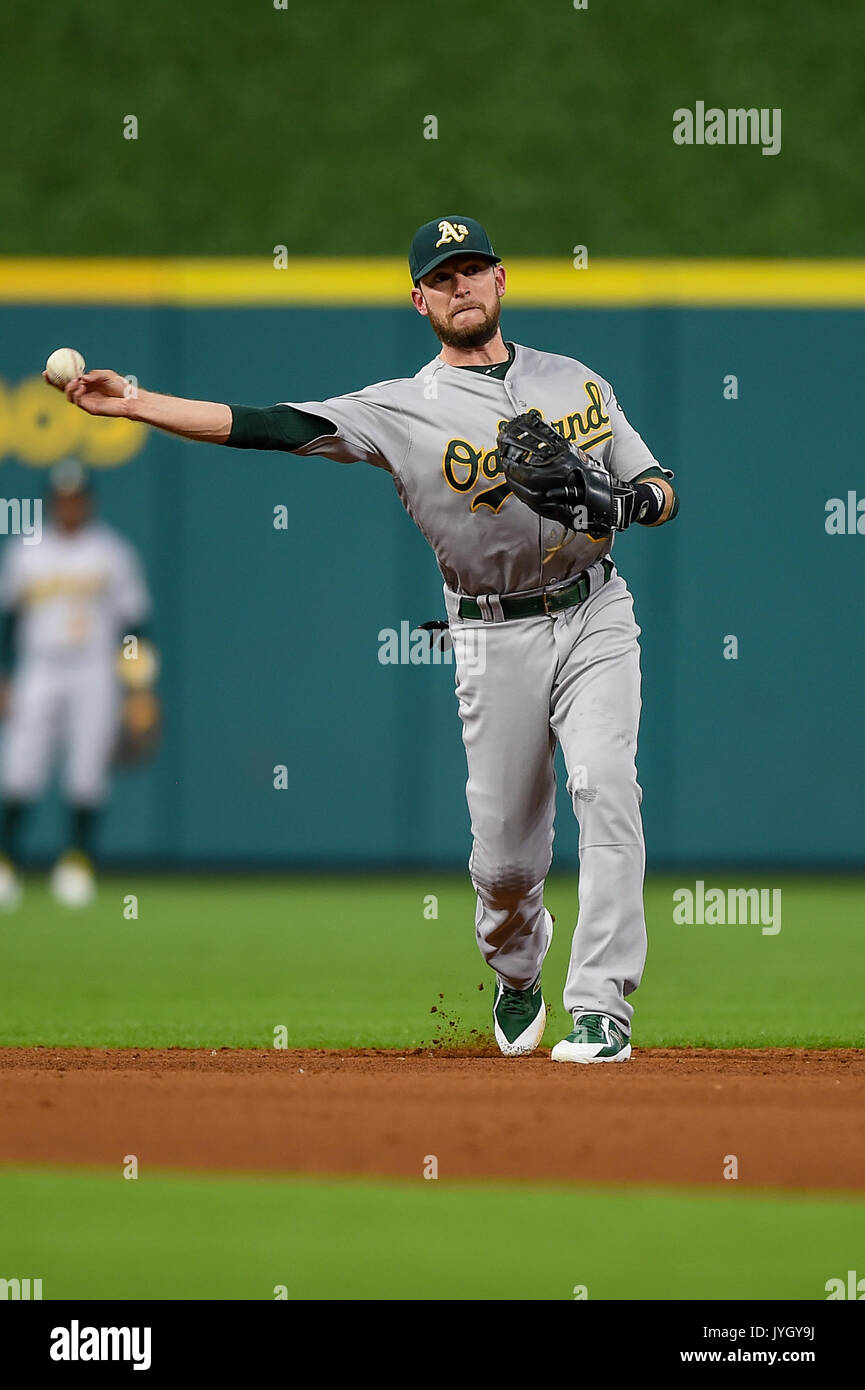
<point x="792" y="1118"/>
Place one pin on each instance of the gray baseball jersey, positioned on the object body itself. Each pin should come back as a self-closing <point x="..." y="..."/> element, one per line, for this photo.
<point x="75" y="593"/>
<point x="436" y="432"/>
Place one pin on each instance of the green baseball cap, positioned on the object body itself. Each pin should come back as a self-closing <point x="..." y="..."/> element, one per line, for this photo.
<point x="444" y="237"/>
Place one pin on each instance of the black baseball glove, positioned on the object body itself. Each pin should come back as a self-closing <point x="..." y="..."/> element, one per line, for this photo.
<point x="560" y="481"/>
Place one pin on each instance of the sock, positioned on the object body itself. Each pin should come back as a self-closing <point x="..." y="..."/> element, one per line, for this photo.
<point x="11" y="823"/>
<point x="82" y="824"/>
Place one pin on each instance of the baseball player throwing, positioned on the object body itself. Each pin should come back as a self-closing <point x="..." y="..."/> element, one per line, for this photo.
<point x="518" y="466"/>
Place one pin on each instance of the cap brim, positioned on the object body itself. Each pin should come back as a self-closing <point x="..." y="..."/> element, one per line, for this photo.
<point x="448" y="255"/>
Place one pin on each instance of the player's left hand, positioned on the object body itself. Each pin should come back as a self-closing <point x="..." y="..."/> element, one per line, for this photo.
<point x="140" y="732"/>
<point x="560" y="481"/>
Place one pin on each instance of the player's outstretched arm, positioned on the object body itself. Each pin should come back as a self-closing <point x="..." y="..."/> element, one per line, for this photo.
<point x="103" y="392"/>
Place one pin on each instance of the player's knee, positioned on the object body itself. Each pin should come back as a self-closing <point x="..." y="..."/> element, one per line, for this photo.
<point x="85" y="791"/>
<point x="502" y="888"/>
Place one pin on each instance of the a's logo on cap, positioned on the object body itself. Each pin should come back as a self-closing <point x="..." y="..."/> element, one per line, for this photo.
<point x="451" y="233"/>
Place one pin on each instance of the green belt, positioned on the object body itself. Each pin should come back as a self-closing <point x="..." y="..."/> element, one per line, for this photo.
<point x="537" y="605"/>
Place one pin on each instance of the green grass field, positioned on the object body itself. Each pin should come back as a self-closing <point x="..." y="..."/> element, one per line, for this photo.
<point x="170" y="1237"/>
<point x="221" y="962"/>
<point x="354" y="962"/>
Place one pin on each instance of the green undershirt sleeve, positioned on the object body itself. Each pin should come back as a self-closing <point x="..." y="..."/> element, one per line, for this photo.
<point x="275" y="427"/>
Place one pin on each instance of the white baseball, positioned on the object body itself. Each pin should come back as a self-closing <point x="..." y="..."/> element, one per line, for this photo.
<point x="64" y="365"/>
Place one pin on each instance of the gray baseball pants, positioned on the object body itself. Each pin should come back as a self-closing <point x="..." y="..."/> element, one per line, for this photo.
<point x="524" y="685"/>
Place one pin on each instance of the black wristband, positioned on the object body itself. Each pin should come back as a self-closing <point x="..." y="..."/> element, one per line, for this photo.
<point x="651" y="503"/>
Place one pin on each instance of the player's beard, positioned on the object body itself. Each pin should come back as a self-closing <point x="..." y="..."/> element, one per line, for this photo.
<point x="474" y="335"/>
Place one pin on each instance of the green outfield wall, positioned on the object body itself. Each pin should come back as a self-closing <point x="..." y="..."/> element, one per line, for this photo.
<point x="270" y="637"/>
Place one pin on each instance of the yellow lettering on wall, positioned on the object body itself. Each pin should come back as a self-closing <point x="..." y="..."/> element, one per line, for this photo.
<point x="38" y="426"/>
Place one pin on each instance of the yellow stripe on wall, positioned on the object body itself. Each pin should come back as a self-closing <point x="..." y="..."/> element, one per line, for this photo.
<point x="374" y="282"/>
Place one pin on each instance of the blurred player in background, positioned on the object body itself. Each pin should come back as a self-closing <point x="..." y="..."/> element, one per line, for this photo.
<point x="66" y="604"/>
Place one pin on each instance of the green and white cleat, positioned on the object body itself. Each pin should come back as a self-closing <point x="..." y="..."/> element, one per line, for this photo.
<point x="596" y="1038"/>
<point x="520" y="1015"/>
<point x="72" y="880"/>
